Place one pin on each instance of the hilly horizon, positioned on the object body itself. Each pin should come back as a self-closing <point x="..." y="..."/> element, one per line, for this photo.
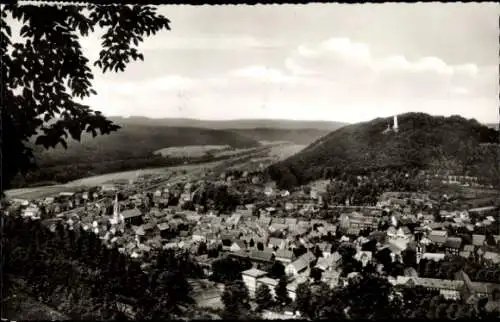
<point x="237" y="124"/>
<point x="423" y="142"/>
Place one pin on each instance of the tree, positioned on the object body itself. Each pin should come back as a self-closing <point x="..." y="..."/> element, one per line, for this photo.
<point x="44" y="74"/>
<point x="316" y="274"/>
<point x="303" y="298"/>
<point x="202" y="248"/>
<point x="277" y="270"/>
<point x="368" y="297"/>
<point x="236" y="300"/>
<point x="263" y="297"/>
<point x="281" y="292"/>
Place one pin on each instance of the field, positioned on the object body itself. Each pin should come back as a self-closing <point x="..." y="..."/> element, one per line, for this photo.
<point x="192" y="151"/>
<point x="268" y="153"/>
<point x="283" y="151"/>
<point x="40" y="192"/>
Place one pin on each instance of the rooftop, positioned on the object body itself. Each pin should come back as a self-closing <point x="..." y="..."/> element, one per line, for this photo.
<point x="254" y="272"/>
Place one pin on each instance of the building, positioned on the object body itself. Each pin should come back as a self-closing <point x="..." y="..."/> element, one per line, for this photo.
<point x="453" y="245"/>
<point x="250" y="278"/>
<point x="279" y="243"/>
<point x="438" y="237"/>
<point x="284" y="256"/>
<point x="478" y="240"/>
<point x="132" y="217"/>
<point x="300" y="265"/>
<point x="269" y="282"/>
<point x="449" y="289"/>
<point x="238" y="245"/>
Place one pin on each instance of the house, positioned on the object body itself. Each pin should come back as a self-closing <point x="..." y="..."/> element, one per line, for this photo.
<point x="261" y="256"/>
<point x="300" y="265"/>
<point x="269" y="191"/>
<point x="165" y="231"/>
<point x="491" y="257"/>
<point x="471" y="292"/>
<point x="469" y="248"/>
<point x="250" y="278"/>
<point x="364" y="257"/>
<point x="453" y="245"/>
<point x="325" y="249"/>
<point x="238" y="245"/>
<point x="269" y="282"/>
<point x="438" y="237"/>
<point x="278" y="227"/>
<point x="284" y="256"/>
<point x="478" y="240"/>
<point x="449" y="289"/>
<point x="465" y="254"/>
<point x="276" y="242"/>
<point x="291" y="223"/>
<point x="329" y="263"/>
<point x="264" y="221"/>
<point x="132" y="217"/>
<point x="331" y="278"/>
<point x="199" y="236"/>
<point x="433" y="256"/>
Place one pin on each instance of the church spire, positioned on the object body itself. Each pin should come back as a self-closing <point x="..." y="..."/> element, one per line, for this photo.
<point x="116" y="209"/>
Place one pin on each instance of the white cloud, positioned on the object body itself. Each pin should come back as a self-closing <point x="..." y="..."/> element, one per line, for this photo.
<point x="261" y="73"/>
<point x="354" y="69"/>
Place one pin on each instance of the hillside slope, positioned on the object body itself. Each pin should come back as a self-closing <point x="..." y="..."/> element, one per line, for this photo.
<point x="129" y="148"/>
<point x="423" y="141"/>
<point x="297" y="136"/>
<point x="133" y="141"/>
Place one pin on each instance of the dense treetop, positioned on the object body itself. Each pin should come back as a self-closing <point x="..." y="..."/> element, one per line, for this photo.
<point x="423" y="142"/>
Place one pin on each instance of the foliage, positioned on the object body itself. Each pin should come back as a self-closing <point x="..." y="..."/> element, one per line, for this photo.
<point x="277" y="270"/>
<point x="303" y="298"/>
<point x="74" y="271"/>
<point x="236" y="300"/>
<point x="263" y="297"/>
<point x="281" y="292"/>
<point x="226" y="270"/>
<point x="45" y="74"/>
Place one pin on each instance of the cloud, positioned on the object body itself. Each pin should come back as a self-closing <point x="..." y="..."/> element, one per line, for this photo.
<point x="353" y="68"/>
<point x="262" y="73"/>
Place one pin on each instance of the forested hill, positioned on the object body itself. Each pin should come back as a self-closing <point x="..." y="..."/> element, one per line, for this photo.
<point x="229" y="124"/>
<point x="423" y="141"/>
<point x="131" y="147"/>
<point x="137" y="141"/>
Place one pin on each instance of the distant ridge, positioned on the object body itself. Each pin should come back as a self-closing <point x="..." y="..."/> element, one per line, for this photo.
<point x="230" y="124"/>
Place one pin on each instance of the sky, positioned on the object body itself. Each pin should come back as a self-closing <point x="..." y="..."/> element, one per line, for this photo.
<point x="347" y="63"/>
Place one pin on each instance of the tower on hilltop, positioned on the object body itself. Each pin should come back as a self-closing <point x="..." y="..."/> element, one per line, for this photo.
<point x="395" y="126"/>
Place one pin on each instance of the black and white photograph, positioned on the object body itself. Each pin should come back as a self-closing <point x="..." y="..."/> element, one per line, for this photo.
<point x="315" y="161"/>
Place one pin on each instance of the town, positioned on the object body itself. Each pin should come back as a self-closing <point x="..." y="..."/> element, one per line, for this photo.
<point x="437" y="242"/>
